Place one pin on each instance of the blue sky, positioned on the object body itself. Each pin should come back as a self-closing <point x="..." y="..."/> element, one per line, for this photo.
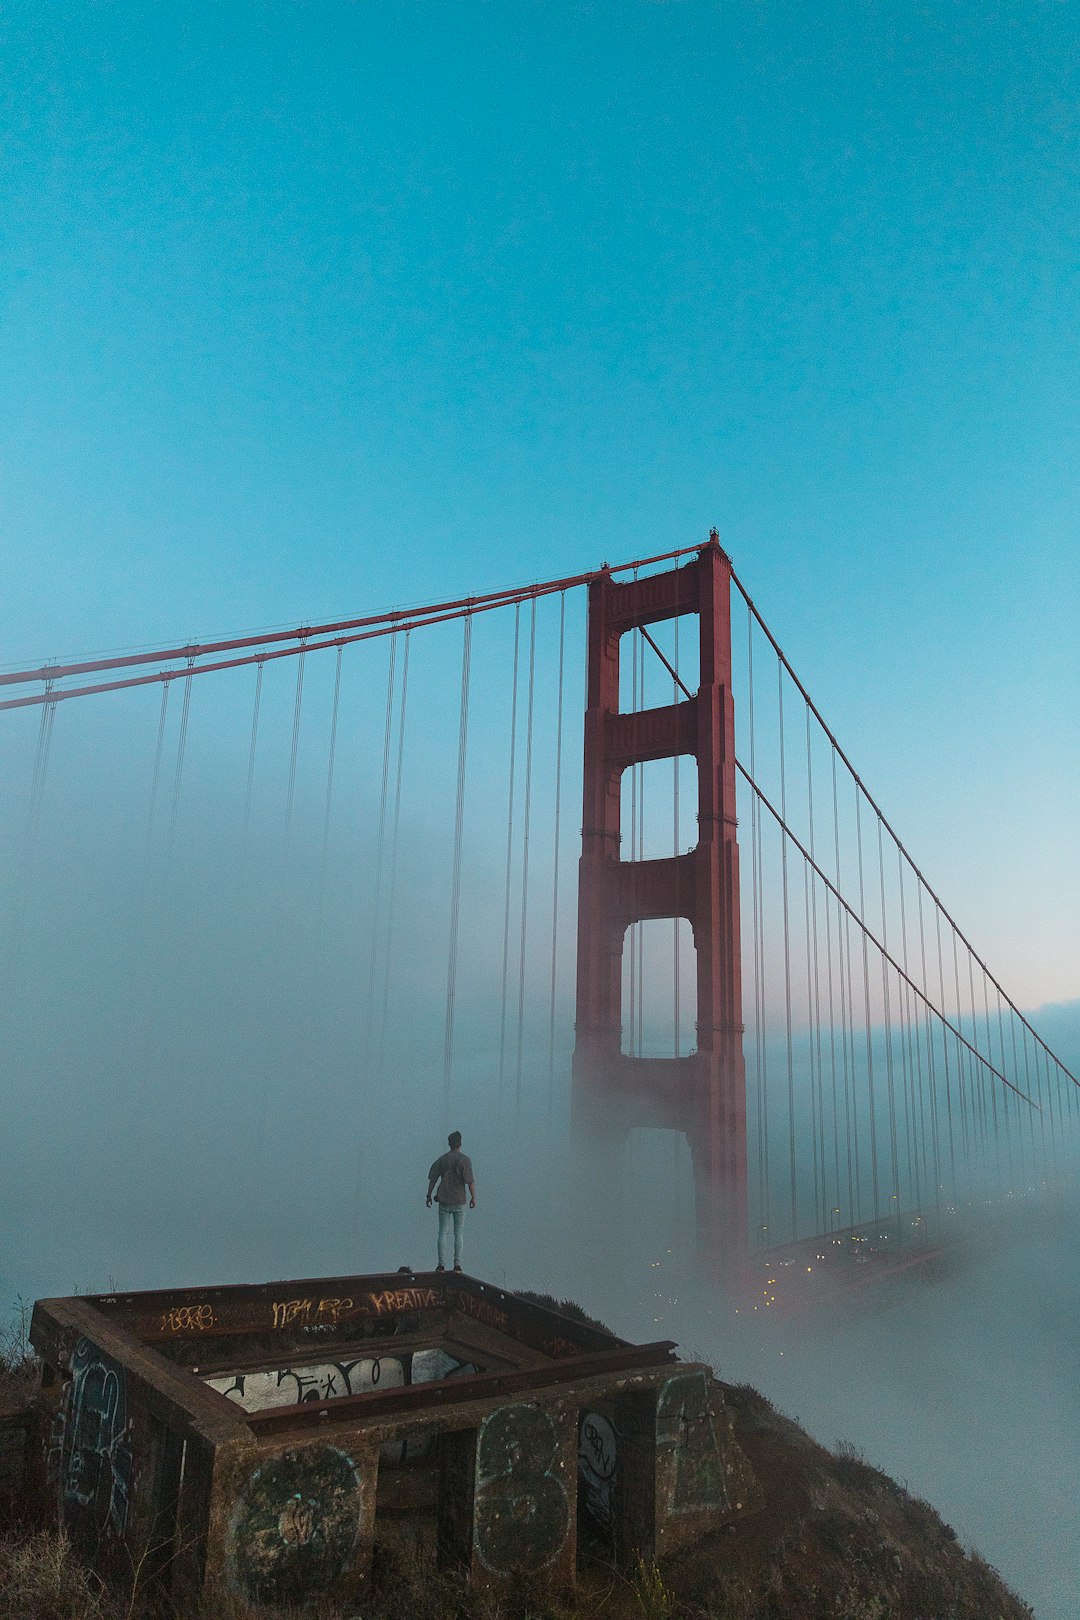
<point x="313" y="308"/>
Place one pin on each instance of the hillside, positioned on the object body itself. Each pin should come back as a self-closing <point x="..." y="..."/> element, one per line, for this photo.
<point x="834" y="1539"/>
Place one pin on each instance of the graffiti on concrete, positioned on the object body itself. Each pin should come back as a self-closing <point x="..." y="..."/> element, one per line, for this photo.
<point x="295" y="1525"/>
<point x="426" y="1367"/>
<point x="598" y="1461"/>
<point x="522" y="1512"/>
<point x="685" y="1424"/>
<point x="95" y="1461"/>
<point x="293" y="1386"/>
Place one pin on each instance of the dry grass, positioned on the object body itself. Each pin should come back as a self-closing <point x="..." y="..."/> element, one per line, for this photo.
<point x="40" y="1579"/>
<point x="18" y="1364"/>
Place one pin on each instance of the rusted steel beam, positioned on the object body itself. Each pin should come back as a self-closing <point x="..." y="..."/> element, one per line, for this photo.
<point x="376" y="1405"/>
<point x="329" y="1302"/>
<point x="261" y="1357"/>
<point x="58" y="1324"/>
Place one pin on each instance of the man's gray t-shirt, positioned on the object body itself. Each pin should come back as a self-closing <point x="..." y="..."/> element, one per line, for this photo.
<point x="455" y="1171"/>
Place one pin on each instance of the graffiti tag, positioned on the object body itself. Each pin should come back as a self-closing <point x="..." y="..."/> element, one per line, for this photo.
<point x="295" y="1525"/>
<point x="522" y="1511"/>
<point x="559" y="1347"/>
<point x="598" y="1459"/>
<point x="95" y="1458"/>
<point x="393" y="1300"/>
<point x="188" y="1319"/>
<point x="481" y="1310"/>
<point x="684" y="1422"/>
<point x="294" y="1386"/>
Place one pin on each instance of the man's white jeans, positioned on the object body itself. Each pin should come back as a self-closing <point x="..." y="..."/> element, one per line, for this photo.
<point x="455" y="1214"/>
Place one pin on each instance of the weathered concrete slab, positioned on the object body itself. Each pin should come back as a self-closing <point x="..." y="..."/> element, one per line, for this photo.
<point x="263" y="1438"/>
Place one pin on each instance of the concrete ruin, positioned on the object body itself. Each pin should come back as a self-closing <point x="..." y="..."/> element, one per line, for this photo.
<point x="264" y="1439"/>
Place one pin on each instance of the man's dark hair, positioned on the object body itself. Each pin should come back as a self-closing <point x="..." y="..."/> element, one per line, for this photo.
<point x="454" y="1139"/>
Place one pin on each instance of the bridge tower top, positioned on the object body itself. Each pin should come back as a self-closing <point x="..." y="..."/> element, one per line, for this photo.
<point x="703" y="1094"/>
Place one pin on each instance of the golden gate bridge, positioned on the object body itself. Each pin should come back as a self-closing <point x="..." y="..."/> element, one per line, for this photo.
<point x="751" y="958"/>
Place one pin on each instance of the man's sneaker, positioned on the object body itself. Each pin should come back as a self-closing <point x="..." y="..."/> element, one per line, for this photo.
<point x="440" y="1267"/>
<point x="457" y="1268"/>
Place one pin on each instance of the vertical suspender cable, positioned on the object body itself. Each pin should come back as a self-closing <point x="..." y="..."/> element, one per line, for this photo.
<point x="961" y="1065"/>
<point x="760" y="1072"/>
<point x="181" y="746"/>
<point x="151" y="814"/>
<point x="41" y="770"/>
<point x="993" y="1090"/>
<point x="1041" y="1060"/>
<point x="330" y="763"/>
<point x="509" y="847"/>
<point x="813" y="989"/>
<point x="1016" y="1072"/>
<point x="675" y="853"/>
<point x="526" y="815"/>
<point x="866" y="1009"/>
<point x="833" y="1209"/>
<point x="555" y="858"/>
<point x="1027" y="1088"/>
<point x="894" y="1155"/>
<point x="931" y="1067"/>
<point x="945" y="1054"/>
<point x="293" y="749"/>
<point x="380" y="849"/>
<point x="1005" y="1098"/>
<point x="978" y="1090"/>
<point x="815" y="1136"/>
<point x="32" y="827"/>
<point x="252" y="746"/>
<point x="630" y="937"/>
<point x="455" y="888"/>
<point x="979" y="1070"/>
<point x="787" y="965"/>
<point x="847" y="1028"/>
<point x="394" y="835"/>
<point x="640" y="855"/>
<point x="910" y="1052"/>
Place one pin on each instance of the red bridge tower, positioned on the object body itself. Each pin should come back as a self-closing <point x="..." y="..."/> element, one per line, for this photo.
<point x="702" y="1095"/>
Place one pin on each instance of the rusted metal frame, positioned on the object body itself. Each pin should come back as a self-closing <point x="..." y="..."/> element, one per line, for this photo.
<point x="193" y="1315"/>
<point x="372" y="1348"/>
<point x="267" y="1307"/>
<point x="375" y="1405"/>
<point x="167" y="1391"/>
<point x="908" y="980"/>
<point x="466" y="1336"/>
<point x="872" y="802"/>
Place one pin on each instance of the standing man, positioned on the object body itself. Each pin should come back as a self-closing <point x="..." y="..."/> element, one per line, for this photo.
<point x="454" y="1173"/>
